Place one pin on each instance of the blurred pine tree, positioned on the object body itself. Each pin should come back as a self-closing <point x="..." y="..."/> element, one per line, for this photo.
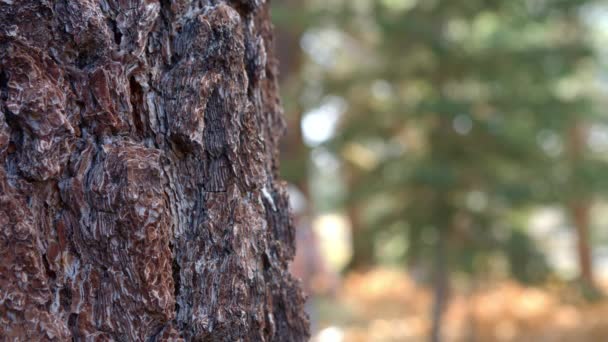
<point x="461" y="115"/>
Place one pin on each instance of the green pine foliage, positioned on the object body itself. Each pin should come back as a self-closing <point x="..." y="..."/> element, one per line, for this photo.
<point x="457" y="120"/>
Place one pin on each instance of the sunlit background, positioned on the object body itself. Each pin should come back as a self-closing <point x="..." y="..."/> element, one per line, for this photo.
<point x="448" y="167"/>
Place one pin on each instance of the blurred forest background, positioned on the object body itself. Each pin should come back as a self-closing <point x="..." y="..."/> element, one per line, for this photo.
<point x="448" y="162"/>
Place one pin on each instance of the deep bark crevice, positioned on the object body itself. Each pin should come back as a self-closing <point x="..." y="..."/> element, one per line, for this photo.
<point x="176" y="279"/>
<point x="136" y="92"/>
<point x="65" y="297"/>
<point x="116" y="31"/>
<point x="50" y="273"/>
<point x="3" y="82"/>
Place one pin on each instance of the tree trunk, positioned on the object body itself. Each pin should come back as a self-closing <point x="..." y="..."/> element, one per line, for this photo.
<point x="441" y="285"/>
<point x="363" y="256"/>
<point x="139" y="196"/>
<point x="580" y="215"/>
<point x="580" y="207"/>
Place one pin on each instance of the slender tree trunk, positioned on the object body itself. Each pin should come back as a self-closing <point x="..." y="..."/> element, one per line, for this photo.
<point x="139" y="196"/>
<point x="580" y="215"/>
<point x="363" y="242"/>
<point x="580" y="207"/>
<point x="440" y="287"/>
<point x="294" y="153"/>
<point x="471" y="328"/>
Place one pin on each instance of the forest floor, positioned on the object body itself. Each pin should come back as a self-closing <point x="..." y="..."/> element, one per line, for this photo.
<point x="386" y="305"/>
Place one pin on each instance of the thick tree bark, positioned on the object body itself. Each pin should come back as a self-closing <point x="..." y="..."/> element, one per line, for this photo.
<point x="139" y="196"/>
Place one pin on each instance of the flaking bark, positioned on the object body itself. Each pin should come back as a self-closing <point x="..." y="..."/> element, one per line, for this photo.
<point x="139" y="196"/>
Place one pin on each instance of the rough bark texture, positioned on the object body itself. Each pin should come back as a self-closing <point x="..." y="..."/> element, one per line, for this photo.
<point x="139" y="197"/>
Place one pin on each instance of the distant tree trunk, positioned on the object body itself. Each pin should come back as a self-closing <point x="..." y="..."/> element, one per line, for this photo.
<point x="580" y="216"/>
<point x="440" y="287"/>
<point x="363" y="242"/>
<point x="139" y="196"/>
<point x="580" y="207"/>
<point x="441" y="267"/>
<point x="294" y="153"/>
